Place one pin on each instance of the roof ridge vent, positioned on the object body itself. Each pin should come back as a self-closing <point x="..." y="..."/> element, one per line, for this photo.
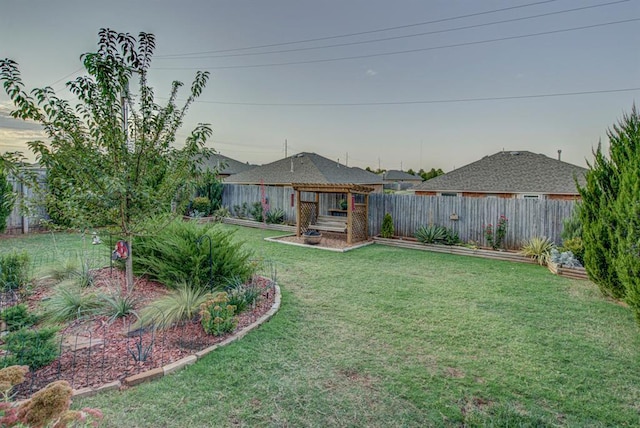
<point x="514" y="153"/>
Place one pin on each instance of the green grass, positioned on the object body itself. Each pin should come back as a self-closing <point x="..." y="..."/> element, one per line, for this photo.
<point x="52" y="250"/>
<point x="392" y="337"/>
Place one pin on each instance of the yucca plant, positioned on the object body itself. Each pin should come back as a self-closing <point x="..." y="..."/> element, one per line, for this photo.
<point x="275" y="216"/>
<point x="77" y="270"/>
<point x="181" y="304"/>
<point x="431" y="234"/>
<point x="538" y="248"/>
<point x="118" y="305"/>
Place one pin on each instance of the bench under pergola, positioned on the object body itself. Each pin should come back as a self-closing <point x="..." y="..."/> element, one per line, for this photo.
<point x="308" y="211"/>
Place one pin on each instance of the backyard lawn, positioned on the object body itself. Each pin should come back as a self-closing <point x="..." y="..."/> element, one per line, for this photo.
<point x="386" y="337"/>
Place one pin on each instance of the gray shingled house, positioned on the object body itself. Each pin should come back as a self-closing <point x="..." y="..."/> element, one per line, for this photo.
<point x="516" y="174"/>
<point x="225" y="165"/>
<point x="399" y="180"/>
<point x="306" y="168"/>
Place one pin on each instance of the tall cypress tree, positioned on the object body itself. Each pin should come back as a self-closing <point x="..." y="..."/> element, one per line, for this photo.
<point x="598" y="224"/>
<point x="610" y="214"/>
<point x="625" y="153"/>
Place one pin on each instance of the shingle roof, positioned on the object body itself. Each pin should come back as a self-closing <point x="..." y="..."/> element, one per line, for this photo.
<point x="510" y="172"/>
<point x="304" y="168"/>
<point x="231" y="166"/>
<point x="395" y="175"/>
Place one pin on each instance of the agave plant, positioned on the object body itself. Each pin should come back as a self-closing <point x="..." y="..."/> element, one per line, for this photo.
<point x="538" y="248"/>
<point x="275" y="216"/>
<point x="431" y="234"/>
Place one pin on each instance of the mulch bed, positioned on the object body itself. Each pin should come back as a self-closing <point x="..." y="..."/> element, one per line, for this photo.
<point x="96" y="351"/>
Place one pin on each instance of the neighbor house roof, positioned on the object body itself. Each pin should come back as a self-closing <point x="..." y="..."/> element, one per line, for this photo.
<point x="395" y="175"/>
<point x="510" y="172"/>
<point x="226" y="165"/>
<point x="304" y="168"/>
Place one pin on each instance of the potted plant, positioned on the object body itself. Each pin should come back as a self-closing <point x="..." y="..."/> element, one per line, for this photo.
<point x="312" y="237"/>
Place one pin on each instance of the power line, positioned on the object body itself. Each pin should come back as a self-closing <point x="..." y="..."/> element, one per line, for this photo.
<point x="67" y="76"/>
<point x="455" y="45"/>
<point x="443" y="101"/>
<point x="362" y="32"/>
<point x="466" y="27"/>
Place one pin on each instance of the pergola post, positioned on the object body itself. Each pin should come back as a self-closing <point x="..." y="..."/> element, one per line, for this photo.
<point x="366" y="210"/>
<point x="298" y="213"/>
<point x="350" y="208"/>
<point x="350" y="190"/>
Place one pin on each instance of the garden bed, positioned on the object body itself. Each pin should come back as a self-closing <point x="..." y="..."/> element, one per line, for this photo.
<point x="569" y="272"/>
<point x="95" y="351"/>
<point x="511" y="256"/>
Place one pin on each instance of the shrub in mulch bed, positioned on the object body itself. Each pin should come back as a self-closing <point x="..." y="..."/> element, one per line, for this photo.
<point x="95" y="352"/>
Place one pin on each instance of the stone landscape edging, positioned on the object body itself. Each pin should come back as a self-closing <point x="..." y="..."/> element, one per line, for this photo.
<point x="167" y="369"/>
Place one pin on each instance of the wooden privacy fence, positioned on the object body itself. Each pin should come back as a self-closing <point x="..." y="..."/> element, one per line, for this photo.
<point x="235" y="195"/>
<point x="18" y="221"/>
<point x="527" y="217"/>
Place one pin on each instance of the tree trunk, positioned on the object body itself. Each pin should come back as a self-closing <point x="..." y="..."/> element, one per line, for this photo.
<point x="129" y="265"/>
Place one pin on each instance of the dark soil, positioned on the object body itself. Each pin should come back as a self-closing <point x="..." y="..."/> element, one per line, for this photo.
<point x="95" y="351"/>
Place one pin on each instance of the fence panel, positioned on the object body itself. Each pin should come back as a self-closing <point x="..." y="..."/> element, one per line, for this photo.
<point x="527" y="217"/>
<point x="18" y="221"/>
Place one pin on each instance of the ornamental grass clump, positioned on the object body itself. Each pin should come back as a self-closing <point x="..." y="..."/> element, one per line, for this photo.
<point x="179" y="305"/>
<point x="218" y="316"/>
<point x="70" y="302"/>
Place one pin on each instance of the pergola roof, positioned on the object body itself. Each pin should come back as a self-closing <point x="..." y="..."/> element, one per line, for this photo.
<point x="332" y="188"/>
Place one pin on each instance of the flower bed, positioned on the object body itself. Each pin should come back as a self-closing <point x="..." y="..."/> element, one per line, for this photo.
<point x="95" y="352"/>
<point x="455" y="249"/>
<point x="569" y="272"/>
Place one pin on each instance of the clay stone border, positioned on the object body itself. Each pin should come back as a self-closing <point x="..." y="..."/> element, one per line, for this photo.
<point x="160" y="372"/>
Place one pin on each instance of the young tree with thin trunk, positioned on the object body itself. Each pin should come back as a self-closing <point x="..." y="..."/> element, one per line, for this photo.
<point x="112" y="156"/>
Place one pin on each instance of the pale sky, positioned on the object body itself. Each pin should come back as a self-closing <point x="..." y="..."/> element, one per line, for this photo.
<point x="451" y="83"/>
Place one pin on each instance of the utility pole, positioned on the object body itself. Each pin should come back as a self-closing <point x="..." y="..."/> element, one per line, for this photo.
<point x="347" y="162"/>
<point x="285" y="148"/>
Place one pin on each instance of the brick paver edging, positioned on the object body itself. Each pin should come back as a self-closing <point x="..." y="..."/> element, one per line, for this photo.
<point x="159" y="372"/>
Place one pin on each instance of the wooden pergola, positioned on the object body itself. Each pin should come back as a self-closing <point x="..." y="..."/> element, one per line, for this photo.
<point x="308" y="212"/>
